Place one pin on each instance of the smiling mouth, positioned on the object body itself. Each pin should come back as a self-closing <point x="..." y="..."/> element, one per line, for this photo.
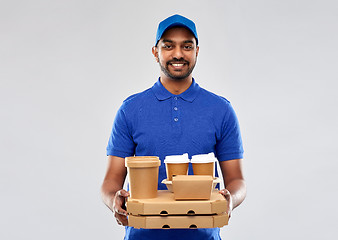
<point x="178" y="65"/>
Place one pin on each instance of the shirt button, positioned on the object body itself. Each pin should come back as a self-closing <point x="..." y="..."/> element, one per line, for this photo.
<point x="175" y="119"/>
<point x="175" y="108"/>
<point x="175" y="98"/>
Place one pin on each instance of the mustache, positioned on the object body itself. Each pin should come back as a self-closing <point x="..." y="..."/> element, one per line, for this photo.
<point x="175" y="60"/>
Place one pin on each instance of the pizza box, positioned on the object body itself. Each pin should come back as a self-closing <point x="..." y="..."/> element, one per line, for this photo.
<point x="167" y="222"/>
<point x="165" y="204"/>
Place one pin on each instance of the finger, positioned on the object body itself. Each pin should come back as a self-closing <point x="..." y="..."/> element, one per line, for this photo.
<point x="229" y="212"/>
<point x="120" y="198"/>
<point x="122" y="193"/>
<point x="227" y="196"/>
<point x="119" y="207"/>
<point x="119" y="202"/>
<point x="121" y="219"/>
<point x="125" y="221"/>
<point x="224" y="192"/>
<point x="120" y="211"/>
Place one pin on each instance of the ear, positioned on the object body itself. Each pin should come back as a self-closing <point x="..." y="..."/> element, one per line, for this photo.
<point x="155" y="52"/>
<point x="197" y="50"/>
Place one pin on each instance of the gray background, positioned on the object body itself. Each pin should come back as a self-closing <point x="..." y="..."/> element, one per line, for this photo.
<point x="66" y="66"/>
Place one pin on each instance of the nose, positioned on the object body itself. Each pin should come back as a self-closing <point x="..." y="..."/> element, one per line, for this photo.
<point x="177" y="53"/>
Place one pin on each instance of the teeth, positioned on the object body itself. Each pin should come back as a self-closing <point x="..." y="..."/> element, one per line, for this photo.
<point x="177" y="64"/>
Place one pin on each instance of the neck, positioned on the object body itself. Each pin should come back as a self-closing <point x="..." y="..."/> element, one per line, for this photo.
<point x="176" y="86"/>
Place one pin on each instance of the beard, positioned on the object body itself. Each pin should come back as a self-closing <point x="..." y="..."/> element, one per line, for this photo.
<point x="179" y="76"/>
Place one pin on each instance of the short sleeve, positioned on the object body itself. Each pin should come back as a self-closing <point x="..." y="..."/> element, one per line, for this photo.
<point x="229" y="146"/>
<point x="120" y="143"/>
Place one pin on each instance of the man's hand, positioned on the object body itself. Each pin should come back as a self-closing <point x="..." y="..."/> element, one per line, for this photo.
<point x="111" y="190"/>
<point x="234" y="183"/>
<point x="227" y="195"/>
<point x="119" y="209"/>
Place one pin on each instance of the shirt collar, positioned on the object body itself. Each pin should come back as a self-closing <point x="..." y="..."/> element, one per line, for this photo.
<point x="162" y="93"/>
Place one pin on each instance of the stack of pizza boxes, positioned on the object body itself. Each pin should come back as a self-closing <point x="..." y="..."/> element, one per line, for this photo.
<point x="191" y="201"/>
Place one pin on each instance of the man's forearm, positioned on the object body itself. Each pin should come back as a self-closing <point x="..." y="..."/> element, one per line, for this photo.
<point x="237" y="189"/>
<point x="108" y="191"/>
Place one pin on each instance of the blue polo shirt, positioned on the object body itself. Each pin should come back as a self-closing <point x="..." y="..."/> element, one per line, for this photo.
<point x="156" y="122"/>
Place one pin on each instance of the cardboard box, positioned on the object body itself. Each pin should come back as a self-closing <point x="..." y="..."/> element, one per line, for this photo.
<point x="192" y="187"/>
<point x="160" y="222"/>
<point x="165" y="204"/>
<point x="170" y="183"/>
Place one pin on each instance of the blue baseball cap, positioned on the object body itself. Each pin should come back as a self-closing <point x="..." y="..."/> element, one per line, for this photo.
<point x="175" y="21"/>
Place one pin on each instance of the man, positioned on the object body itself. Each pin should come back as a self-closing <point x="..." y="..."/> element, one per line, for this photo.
<point x="173" y="117"/>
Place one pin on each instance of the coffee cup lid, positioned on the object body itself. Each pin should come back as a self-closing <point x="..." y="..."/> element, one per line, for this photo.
<point x="142" y="158"/>
<point x="142" y="161"/>
<point x="203" y="158"/>
<point x="184" y="158"/>
<point x="142" y="164"/>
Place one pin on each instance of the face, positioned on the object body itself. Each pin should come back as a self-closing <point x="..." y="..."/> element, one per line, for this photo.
<point x="176" y="53"/>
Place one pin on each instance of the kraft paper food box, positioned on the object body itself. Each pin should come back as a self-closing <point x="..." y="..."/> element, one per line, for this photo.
<point x="160" y="222"/>
<point x="165" y="204"/>
<point x="192" y="187"/>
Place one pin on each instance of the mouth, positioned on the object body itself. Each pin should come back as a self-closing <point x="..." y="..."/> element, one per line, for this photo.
<point x="177" y="65"/>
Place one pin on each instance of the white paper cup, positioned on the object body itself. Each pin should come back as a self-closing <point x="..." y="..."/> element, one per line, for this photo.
<point x="204" y="164"/>
<point x="176" y="165"/>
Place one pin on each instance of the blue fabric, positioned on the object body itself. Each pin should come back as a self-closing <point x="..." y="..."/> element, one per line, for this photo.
<point x="156" y="122"/>
<point x="173" y="234"/>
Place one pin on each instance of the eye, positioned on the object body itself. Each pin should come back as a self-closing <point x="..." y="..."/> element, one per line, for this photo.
<point x="188" y="47"/>
<point x="166" y="46"/>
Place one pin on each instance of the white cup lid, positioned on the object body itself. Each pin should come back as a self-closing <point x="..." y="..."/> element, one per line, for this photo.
<point x="203" y="158"/>
<point x="184" y="158"/>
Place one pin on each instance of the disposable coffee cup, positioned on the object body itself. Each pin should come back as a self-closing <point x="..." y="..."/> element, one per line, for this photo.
<point x="143" y="176"/>
<point x="204" y="164"/>
<point x="176" y="165"/>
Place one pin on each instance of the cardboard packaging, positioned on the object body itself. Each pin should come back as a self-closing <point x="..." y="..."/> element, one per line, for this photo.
<point x="160" y="222"/>
<point x="169" y="184"/>
<point x="164" y="204"/>
<point x="143" y="176"/>
<point x="204" y="164"/>
<point x="176" y="165"/>
<point x="192" y="187"/>
<point x="191" y="202"/>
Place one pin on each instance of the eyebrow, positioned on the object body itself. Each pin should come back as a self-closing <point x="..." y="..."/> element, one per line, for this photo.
<point x="170" y="41"/>
<point x="188" y="41"/>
